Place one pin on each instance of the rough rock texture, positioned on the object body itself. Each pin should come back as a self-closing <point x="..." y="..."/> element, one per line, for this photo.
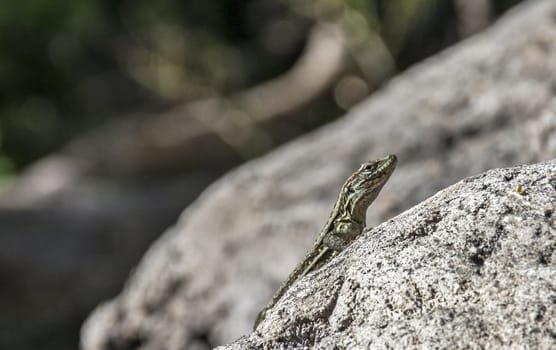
<point x="472" y="267"/>
<point x="486" y="103"/>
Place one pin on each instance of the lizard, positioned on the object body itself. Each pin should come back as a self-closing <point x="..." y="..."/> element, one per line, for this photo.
<point x="345" y="223"/>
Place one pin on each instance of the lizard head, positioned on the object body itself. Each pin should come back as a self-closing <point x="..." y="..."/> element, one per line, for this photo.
<point x="361" y="189"/>
<point x="376" y="171"/>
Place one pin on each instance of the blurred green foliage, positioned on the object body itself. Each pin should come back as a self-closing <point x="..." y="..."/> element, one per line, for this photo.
<point x="68" y="66"/>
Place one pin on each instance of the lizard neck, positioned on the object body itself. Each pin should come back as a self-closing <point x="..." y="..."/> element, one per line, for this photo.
<point x="353" y="202"/>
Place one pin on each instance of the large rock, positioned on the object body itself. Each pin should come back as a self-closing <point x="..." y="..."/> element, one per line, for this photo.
<point x="487" y="103"/>
<point x="472" y="267"/>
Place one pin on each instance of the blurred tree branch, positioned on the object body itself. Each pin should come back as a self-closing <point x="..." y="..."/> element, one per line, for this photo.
<point x="214" y="133"/>
<point x="473" y="16"/>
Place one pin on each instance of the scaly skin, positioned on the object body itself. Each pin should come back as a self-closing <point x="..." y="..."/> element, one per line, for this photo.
<point x="345" y="224"/>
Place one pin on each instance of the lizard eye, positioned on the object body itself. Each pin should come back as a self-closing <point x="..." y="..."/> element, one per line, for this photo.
<point x="370" y="167"/>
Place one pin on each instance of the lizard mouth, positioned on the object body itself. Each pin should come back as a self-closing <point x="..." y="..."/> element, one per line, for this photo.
<point x="387" y="163"/>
